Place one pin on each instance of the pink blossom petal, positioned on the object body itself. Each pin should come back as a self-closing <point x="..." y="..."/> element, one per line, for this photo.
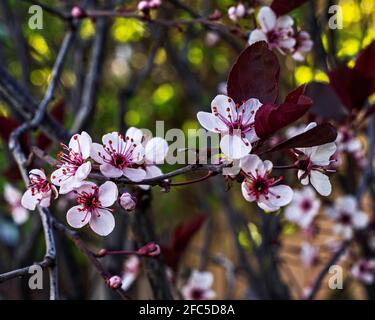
<point x="138" y="154"/>
<point x="288" y="43"/>
<point x="86" y="187"/>
<point x="11" y="194"/>
<point x="102" y="222"/>
<point x="224" y="105"/>
<point x="234" y="146"/>
<point x="108" y="193"/>
<point x="267" y="19"/>
<point x="77" y="218"/>
<point x="284" y="22"/>
<point x="20" y="215"/>
<point x="98" y="152"/>
<point x="156" y="150"/>
<point x="246" y="194"/>
<point x="39" y="173"/>
<point x="29" y="201"/>
<point x="280" y="195"/>
<point x="114" y="140"/>
<point x="135" y="134"/>
<point x="360" y="220"/>
<point x="321" y="183"/>
<point x="323" y="153"/>
<point x="46" y="199"/>
<point x="257" y="35"/>
<point x="83" y="171"/>
<point x="81" y="143"/>
<point x="210" y="122"/>
<point x="135" y="175"/>
<point x="249" y="163"/>
<point x="110" y="171"/>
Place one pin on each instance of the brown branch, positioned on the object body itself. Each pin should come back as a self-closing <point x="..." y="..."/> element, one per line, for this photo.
<point x="19" y="156"/>
<point x="46" y="263"/>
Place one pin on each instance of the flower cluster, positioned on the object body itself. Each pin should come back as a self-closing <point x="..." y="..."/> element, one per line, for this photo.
<point x="278" y="32"/>
<point x="130" y="156"/>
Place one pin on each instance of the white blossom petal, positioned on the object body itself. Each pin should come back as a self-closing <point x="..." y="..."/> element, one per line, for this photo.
<point x="321" y="183"/>
<point x="135" y="175"/>
<point x="108" y="193"/>
<point x="234" y="147"/>
<point x="102" y="222"/>
<point x="77" y="218"/>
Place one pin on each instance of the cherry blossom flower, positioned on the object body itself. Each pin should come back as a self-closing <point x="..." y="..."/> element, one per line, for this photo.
<point x="347" y="142"/>
<point x="309" y="254"/>
<point x="347" y="216"/>
<point x="276" y="31"/>
<point x="13" y="197"/>
<point x="260" y="187"/>
<point x="156" y="150"/>
<point x="120" y="156"/>
<point x="92" y="208"/>
<point x="199" y="286"/>
<point x="128" y="202"/>
<point x="234" y="122"/>
<point x="303" y="208"/>
<point x="39" y="191"/>
<point x="312" y="162"/>
<point x="236" y="12"/>
<point x="303" y="45"/>
<point x="364" y="270"/>
<point x="74" y="166"/>
<point x="131" y="271"/>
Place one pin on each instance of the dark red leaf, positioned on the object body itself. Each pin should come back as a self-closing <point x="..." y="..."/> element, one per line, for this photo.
<point x="365" y="64"/>
<point x="295" y="95"/>
<point x="58" y="112"/>
<point x="180" y="240"/>
<point x="321" y="134"/>
<point x="254" y="75"/>
<point x="352" y="87"/>
<point x="271" y="118"/>
<point x="326" y="104"/>
<point x="281" y="7"/>
<point x="7" y="125"/>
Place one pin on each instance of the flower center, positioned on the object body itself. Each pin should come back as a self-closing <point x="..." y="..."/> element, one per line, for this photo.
<point x="119" y="160"/>
<point x="306" y="205"/>
<point x="345" y="218"/>
<point x="197" y="294"/>
<point x="38" y="184"/>
<point x="89" y="201"/>
<point x="272" y="37"/>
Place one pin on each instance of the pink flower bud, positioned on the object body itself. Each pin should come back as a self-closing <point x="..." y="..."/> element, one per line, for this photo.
<point x="77" y="12"/>
<point x="150" y="250"/>
<point x="102" y="253"/>
<point x="114" y="282"/>
<point x="128" y="202"/>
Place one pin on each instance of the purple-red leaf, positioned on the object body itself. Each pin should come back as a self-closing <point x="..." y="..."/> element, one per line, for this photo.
<point x="281" y="7"/>
<point x="321" y="134"/>
<point x="365" y="64"/>
<point x="271" y="118"/>
<point x="352" y="87"/>
<point x="7" y="125"/>
<point x="254" y="75"/>
<point x="180" y="240"/>
<point x="326" y="104"/>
